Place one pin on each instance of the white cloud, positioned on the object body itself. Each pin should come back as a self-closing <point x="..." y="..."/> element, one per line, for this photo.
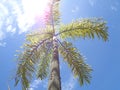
<point x="24" y="22"/>
<point x="92" y="2"/>
<point x="2" y="44"/>
<point x="76" y="9"/>
<point x="3" y="9"/>
<point x="11" y="29"/>
<point x="30" y="89"/>
<point x="7" y="24"/>
<point x="70" y="84"/>
<point x="114" y="8"/>
<point x="34" y="84"/>
<point x="2" y="35"/>
<point x="18" y="15"/>
<point x="24" y="19"/>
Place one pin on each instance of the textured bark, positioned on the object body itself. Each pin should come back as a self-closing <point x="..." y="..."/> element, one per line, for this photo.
<point x="55" y="81"/>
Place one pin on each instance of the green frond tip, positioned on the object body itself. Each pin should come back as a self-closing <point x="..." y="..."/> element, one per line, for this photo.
<point x="39" y="35"/>
<point x="29" y="58"/>
<point x="80" y="69"/>
<point x="56" y="13"/>
<point x="43" y="67"/>
<point x="42" y="72"/>
<point x="85" y="28"/>
<point x="24" y="76"/>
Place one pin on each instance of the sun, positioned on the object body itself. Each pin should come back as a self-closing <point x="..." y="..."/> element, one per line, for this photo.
<point x="34" y="7"/>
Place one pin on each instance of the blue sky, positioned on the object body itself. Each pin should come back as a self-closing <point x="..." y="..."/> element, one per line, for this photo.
<point x="103" y="57"/>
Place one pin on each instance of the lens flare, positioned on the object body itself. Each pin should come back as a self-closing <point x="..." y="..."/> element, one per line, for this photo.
<point x="35" y="10"/>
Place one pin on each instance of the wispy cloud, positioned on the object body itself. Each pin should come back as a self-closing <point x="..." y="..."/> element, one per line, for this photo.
<point x="5" y="23"/>
<point x="30" y="89"/>
<point x="11" y="29"/>
<point x="2" y="44"/>
<point x="24" y="21"/>
<point x="11" y="19"/>
<point x="92" y="2"/>
<point x="70" y="84"/>
<point x="2" y="35"/>
<point x="35" y="84"/>
<point x="3" y="9"/>
<point x="14" y="19"/>
<point x="76" y="9"/>
<point x="114" y="8"/>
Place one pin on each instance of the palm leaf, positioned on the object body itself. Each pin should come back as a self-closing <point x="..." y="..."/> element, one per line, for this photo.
<point x="40" y="34"/>
<point x="43" y="67"/>
<point x="85" y="28"/>
<point x="56" y="13"/>
<point x="30" y="57"/>
<point x="76" y="62"/>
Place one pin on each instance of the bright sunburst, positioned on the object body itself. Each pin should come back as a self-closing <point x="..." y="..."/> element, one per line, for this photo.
<point x="34" y="8"/>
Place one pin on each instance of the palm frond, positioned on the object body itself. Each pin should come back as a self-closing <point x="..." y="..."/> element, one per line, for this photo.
<point x="40" y="34"/>
<point x="56" y="13"/>
<point x="85" y="28"/>
<point x="80" y="69"/>
<point x="43" y="67"/>
<point x="29" y="58"/>
<point x="25" y="70"/>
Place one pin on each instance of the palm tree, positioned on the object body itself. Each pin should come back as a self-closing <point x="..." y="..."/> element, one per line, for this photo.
<point x="40" y="54"/>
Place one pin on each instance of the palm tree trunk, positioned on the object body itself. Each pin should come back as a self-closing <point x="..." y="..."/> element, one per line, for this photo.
<point x="54" y="81"/>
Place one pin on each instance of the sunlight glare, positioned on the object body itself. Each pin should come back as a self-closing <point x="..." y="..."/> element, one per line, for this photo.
<point x="33" y="8"/>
